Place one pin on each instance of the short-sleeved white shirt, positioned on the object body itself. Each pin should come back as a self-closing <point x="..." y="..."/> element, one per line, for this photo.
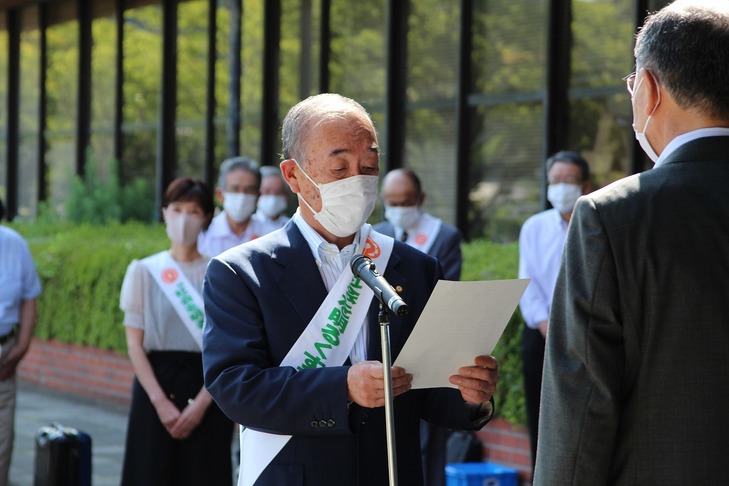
<point x="18" y="278"/>
<point x="146" y="307"/>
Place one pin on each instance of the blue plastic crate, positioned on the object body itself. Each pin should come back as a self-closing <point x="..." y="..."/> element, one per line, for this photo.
<point x="480" y="474"/>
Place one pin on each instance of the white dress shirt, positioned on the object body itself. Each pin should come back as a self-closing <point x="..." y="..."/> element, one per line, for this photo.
<point x="331" y="263"/>
<point x="541" y="242"/>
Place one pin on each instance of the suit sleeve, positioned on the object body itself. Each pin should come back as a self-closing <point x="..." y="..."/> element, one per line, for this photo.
<point x="450" y="257"/>
<point x="240" y="372"/>
<point x="584" y="360"/>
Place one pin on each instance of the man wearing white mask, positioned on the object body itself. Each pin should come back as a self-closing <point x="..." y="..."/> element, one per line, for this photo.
<point x="541" y="241"/>
<point x="274" y="198"/>
<point x="403" y="196"/>
<point x="635" y="373"/>
<point x="291" y="345"/>
<point x="238" y="190"/>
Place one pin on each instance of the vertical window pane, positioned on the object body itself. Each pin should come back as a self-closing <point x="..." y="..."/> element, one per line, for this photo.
<point x="222" y="80"/>
<point x="192" y="68"/>
<point x="432" y="81"/>
<point x="61" y="109"/>
<point x="142" y="80"/>
<point x="358" y="52"/>
<point x="600" y="114"/>
<point x="252" y="78"/>
<point x="29" y="128"/>
<point x="509" y="38"/>
<point x="103" y="89"/>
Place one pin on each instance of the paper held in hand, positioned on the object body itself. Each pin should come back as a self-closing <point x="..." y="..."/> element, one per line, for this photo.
<point x="461" y="320"/>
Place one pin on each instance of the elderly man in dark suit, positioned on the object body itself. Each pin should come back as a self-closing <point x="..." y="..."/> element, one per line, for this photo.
<point x="636" y="377"/>
<point x="291" y="346"/>
<point x="406" y="221"/>
<point x="403" y="195"/>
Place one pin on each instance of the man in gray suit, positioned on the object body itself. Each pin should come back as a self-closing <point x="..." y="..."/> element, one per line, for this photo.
<point x="636" y="376"/>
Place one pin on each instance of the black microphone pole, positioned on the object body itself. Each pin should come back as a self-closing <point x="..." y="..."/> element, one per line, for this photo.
<point x="364" y="268"/>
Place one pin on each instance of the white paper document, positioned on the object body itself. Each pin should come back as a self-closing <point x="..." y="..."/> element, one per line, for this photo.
<point x="461" y="320"/>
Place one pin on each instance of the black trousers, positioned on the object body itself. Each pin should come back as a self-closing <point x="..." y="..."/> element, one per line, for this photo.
<point x="532" y="352"/>
<point x="152" y="457"/>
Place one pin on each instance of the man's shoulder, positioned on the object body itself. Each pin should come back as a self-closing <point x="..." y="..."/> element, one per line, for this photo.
<point x="449" y="230"/>
<point x="541" y="218"/>
<point x="384" y="227"/>
<point x="12" y="237"/>
<point x="269" y="244"/>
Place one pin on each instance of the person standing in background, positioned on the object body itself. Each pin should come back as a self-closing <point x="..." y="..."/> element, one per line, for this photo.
<point x="406" y="221"/>
<point x="176" y="434"/>
<point x="636" y="371"/>
<point x="19" y="289"/>
<point x="541" y="241"/>
<point x="274" y="198"/>
<point x="403" y="197"/>
<point x="238" y="189"/>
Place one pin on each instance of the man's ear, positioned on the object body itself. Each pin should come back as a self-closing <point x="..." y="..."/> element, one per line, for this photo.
<point x="219" y="196"/>
<point x="421" y="199"/>
<point x="652" y="93"/>
<point x="288" y="171"/>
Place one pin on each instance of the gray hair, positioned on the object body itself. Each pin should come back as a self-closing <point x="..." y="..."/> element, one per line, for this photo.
<point x="238" y="163"/>
<point x="271" y="171"/>
<point x="310" y="112"/>
<point x="686" y="46"/>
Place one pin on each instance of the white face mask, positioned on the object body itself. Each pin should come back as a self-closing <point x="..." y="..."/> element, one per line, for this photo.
<point x="271" y="205"/>
<point x="345" y="204"/>
<point x="239" y="206"/>
<point x="402" y="217"/>
<point x="640" y="136"/>
<point x="563" y="196"/>
<point x="182" y="228"/>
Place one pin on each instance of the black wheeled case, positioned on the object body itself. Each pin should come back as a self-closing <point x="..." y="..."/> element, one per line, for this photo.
<point x="62" y="456"/>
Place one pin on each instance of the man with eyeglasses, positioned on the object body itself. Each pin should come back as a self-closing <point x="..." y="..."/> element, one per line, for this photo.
<point x="636" y="381"/>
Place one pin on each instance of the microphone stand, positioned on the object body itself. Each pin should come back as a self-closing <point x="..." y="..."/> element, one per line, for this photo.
<point x="384" y="321"/>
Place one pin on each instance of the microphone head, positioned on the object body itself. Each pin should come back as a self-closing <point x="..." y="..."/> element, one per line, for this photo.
<point x="359" y="262"/>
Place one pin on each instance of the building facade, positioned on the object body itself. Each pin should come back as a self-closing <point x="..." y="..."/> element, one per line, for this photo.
<point x="472" y="94"/>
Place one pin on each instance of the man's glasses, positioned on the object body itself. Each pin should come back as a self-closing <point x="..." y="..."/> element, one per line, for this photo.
<point x="629" y="82"/>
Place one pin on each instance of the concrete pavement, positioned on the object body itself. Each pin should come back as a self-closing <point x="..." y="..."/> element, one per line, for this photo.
<point x="106" y="424"/>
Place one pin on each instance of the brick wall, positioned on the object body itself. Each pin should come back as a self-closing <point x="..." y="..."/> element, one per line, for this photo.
<point x="107" y="376"/>
<point x="92" y="373"/>
<point x="508" y="444"/>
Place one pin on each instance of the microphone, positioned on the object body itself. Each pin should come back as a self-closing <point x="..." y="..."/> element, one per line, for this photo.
<point x="364" y="268"/>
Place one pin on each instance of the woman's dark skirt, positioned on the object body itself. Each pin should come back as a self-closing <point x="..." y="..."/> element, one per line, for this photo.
<point x="152" y="456"/>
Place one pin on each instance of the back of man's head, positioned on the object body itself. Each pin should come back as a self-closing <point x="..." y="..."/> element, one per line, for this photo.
<point x="686" y="47"/>
<point x="238" y="163"/>
<point x="2" y="210"/>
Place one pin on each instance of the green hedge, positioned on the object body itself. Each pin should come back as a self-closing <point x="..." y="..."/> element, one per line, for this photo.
<point x="82" y="268"/>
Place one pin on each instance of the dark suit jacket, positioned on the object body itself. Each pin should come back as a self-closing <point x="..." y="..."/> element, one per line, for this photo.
<point x="446" y="248"/>
<point x="259" y="297"/>
<point x="636" y="376"/>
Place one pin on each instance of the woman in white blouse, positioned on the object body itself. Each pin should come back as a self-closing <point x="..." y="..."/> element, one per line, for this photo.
<point x="176" y="434"/>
